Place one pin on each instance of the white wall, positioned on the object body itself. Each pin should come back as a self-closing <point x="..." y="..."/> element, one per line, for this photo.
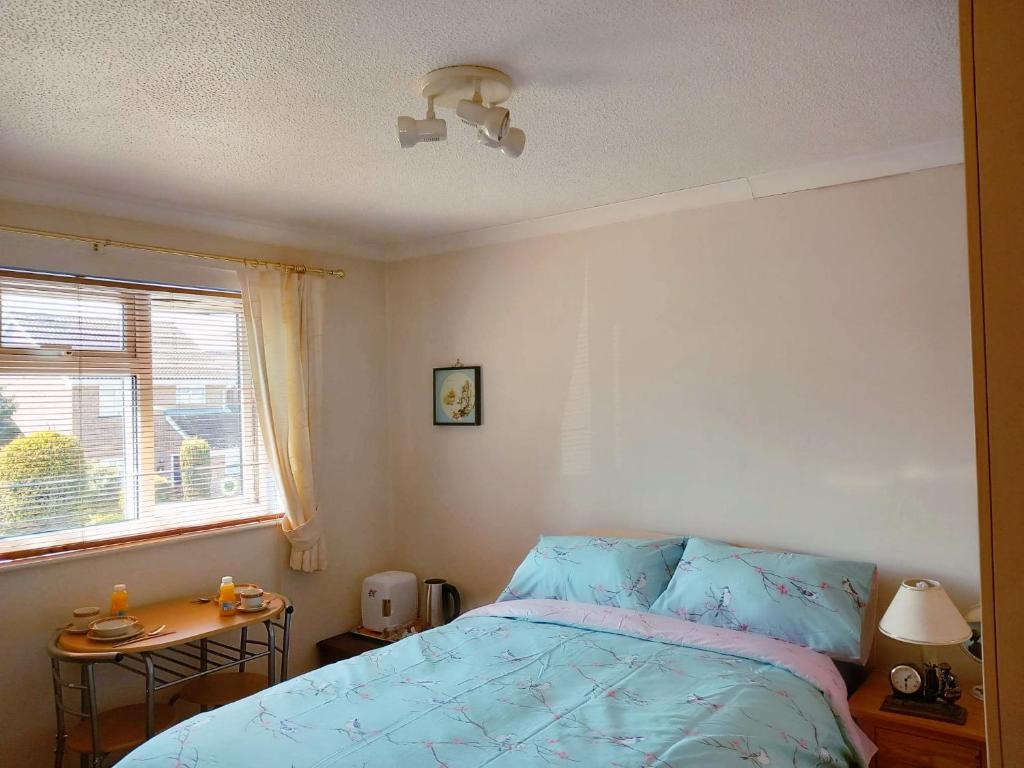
<point x="793" y="372"/>
<point x="353" y="493"/>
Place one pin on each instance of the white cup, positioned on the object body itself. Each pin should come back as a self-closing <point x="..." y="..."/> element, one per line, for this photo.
<point x="83" y="617"/>
<point x="251" y="597"/>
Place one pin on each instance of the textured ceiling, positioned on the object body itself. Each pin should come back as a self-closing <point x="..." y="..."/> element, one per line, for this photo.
<point x="284" y="111"/>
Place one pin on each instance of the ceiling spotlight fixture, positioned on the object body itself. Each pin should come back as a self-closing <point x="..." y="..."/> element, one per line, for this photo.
<point x="493" y="122"/>
<point x="412" y="131"/>
<point x="475" y="94"/>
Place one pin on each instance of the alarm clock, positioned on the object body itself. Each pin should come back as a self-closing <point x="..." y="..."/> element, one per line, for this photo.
<point x="931" y="694"/>
<point x="906" y="680"/>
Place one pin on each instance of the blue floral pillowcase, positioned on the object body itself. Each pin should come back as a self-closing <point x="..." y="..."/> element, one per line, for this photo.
<point x="811" y="601"/>
<point x="624" y="573"/>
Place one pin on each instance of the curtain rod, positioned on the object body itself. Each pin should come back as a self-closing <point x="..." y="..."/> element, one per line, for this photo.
<point x="99" y="241"/>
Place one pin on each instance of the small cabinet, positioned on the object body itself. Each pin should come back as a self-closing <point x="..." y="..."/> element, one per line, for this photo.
<point x="899" y="749"/>
<point x="904" y="741"/>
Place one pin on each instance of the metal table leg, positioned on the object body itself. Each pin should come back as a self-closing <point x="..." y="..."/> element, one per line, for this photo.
<point x="203" y="662"/>
<point x="150" y="696"/>
<point x="89" y="673"/>
<point x="83" y="707"/>
<point x="58" y="695"/>
<point x="285" y="642"/>
<point x="243" y="646"/>
<point x="272" y="657"/>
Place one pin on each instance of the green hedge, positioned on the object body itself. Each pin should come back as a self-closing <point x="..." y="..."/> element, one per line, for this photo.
<point x="104" y="500"/>
<point x="165" y="490"/>
<point x="43" y="477"/>
<point x="196" y="472"/>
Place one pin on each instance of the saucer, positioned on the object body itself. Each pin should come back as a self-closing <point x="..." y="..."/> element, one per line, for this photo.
<point x="72" y="630"/>
<point x="113" y="626"/>
<point x="261" y="607"/>
<point x="133" y="631"/>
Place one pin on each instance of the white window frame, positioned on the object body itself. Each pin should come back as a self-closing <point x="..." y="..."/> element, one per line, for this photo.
<point x="136" y="360"/>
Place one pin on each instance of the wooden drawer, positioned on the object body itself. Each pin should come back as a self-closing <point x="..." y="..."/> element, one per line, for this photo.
<point x="904" y="750"/>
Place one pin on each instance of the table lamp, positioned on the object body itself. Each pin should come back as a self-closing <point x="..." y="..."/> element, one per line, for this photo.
<point x="921" y="613"/>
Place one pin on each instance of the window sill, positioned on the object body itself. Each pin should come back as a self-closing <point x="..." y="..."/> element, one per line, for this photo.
<point x="154" y="540"/>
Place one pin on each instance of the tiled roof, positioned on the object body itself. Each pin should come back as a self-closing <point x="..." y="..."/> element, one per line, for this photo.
<point x="218" y="426"/>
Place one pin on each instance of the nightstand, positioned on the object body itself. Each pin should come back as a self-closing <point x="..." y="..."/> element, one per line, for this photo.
<point x="345" y="646"/>
<point x="913" y="742"/>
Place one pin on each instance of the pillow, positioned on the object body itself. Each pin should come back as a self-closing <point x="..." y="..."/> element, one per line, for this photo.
<point x="812" y="601"/>
<point x="606" y="570"/>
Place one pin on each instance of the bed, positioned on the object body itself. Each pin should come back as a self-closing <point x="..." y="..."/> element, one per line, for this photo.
<point x="539" y="682"/>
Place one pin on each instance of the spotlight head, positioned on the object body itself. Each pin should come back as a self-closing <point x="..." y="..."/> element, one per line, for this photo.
<point x="483" y="141"/>
<point x="514" y="143"/>
<point x="412" y="131"/>
<point x="492" y="121"/>
<point x="511" y="146"/>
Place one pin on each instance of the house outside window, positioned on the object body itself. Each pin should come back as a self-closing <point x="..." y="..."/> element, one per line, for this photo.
<point x="112" y="395"/>
<point x="190" y="394"/>
<point x="125" y="413"/>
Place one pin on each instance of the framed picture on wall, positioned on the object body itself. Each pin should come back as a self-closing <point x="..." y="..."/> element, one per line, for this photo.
<point x="457" y="396"/>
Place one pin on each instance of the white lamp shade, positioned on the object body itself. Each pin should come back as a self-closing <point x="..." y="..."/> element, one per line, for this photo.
<point x="922" y="613"/>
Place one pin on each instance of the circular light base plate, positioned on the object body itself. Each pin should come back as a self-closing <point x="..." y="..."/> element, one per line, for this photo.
<point x="449" y="85"/>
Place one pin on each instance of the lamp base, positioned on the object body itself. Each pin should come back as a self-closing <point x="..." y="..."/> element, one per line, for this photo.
<point x="930" y="710"/>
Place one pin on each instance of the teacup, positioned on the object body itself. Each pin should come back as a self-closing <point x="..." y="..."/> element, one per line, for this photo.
<point x="83" y="617"/>
<point x="251" y="597"/>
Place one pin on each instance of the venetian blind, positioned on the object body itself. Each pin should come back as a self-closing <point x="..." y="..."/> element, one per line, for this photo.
<point x="126" y="412"/>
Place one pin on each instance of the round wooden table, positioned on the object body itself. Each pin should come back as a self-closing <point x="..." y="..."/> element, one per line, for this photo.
<point x="189" y="652"/>
<point x="185" y="618"/>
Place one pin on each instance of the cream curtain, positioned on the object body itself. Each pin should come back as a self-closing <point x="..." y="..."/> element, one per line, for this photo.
<point x="284" y="328"/>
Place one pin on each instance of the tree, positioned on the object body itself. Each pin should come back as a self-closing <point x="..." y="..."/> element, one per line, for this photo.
<point x="8" y="429"/>
<point x="43" y="477"/>
<point x="196" y="473"/>
<point x="104" y="499"/>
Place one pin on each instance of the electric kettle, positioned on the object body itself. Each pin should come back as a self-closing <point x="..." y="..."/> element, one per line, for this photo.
<point x="442" y="602"/>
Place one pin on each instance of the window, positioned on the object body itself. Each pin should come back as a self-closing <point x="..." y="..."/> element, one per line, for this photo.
<point x="42" y="319"/>
<point x="126" y="412"/>
<point x="112" y="394"/>
<point x="188" y="394"/>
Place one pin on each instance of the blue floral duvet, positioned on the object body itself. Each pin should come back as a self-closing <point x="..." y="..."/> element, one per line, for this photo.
<point x="539" y="683"/>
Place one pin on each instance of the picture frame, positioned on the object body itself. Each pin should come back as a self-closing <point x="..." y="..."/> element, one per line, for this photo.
<point x="458" y="398"/>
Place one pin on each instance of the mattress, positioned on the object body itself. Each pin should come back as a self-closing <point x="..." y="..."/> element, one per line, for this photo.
<point x="540" y="683"/>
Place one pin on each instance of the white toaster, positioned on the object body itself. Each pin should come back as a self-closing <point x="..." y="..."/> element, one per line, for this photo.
<point x="390" y="600"/>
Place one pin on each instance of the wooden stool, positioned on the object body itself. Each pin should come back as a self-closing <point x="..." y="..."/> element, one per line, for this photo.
<point x="223" y="688"/>
<point x="120" y="729"/>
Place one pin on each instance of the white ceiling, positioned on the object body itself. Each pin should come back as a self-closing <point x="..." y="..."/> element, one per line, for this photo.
<point x="283" y="112"/>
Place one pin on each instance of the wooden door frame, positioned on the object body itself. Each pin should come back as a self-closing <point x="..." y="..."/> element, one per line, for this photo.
<point x="993" y="90"/>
